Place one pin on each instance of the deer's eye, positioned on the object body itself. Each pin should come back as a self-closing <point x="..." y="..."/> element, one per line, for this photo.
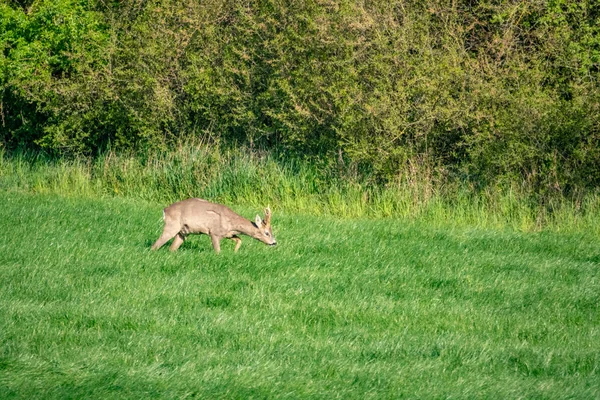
<point x="267" y="233"/>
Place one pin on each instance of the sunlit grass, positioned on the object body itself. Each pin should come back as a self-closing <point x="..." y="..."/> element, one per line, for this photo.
<point x="351" y="308"/>
<point x="257" y="179"/>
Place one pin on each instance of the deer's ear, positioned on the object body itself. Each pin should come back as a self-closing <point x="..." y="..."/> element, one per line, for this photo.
<point x="258" y="221"/>
<point x="267" y="215"/>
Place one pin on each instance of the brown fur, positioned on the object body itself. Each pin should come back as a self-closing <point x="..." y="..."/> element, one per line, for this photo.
<point x="198" y="216"/>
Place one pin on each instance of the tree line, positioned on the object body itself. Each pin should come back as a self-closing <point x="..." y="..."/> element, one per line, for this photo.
<point x="486" y="91"/>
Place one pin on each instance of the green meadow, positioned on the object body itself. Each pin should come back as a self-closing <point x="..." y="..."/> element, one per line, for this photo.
<point x="433" y="168"/>
<point x="350" y="307"/>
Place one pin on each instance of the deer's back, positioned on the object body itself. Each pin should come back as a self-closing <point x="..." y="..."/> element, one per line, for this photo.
<point x="202" y="216"/>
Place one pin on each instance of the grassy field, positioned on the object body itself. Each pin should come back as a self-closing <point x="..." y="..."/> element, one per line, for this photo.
<point x="352" y="308"/>
<point x="300" y="187"/>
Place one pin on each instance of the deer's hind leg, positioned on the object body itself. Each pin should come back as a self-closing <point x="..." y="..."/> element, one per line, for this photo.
<point x="179" y="238"/>
<point x="216" y="242"/>
<point x="168" y="233"/>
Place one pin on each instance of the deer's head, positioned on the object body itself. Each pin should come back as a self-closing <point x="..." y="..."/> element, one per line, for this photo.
<point x="265" y="233"/>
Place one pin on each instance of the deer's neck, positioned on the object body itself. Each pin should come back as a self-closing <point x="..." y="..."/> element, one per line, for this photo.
<point x="246" y="227"/>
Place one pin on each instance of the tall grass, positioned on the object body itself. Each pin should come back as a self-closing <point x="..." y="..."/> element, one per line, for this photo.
<point x="256" y="179"/>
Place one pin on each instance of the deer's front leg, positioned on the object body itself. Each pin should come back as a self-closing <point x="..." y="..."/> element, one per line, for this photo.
<point x="216" y="242"/>
<point x="238" y="243"/>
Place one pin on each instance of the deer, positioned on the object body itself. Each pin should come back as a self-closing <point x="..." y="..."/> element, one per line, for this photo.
<point x="199" y="216"/>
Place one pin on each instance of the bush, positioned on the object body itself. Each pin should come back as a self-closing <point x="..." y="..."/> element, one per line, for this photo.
<point x="487" y="92"/>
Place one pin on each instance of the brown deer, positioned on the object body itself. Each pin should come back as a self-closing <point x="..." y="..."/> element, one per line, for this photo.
<point x="198" y="216"/>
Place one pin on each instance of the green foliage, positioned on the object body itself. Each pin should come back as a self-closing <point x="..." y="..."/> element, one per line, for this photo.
<point x="354" y="309"/>
<point x="494" y="93"/>
<point x="51" y="51"/>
